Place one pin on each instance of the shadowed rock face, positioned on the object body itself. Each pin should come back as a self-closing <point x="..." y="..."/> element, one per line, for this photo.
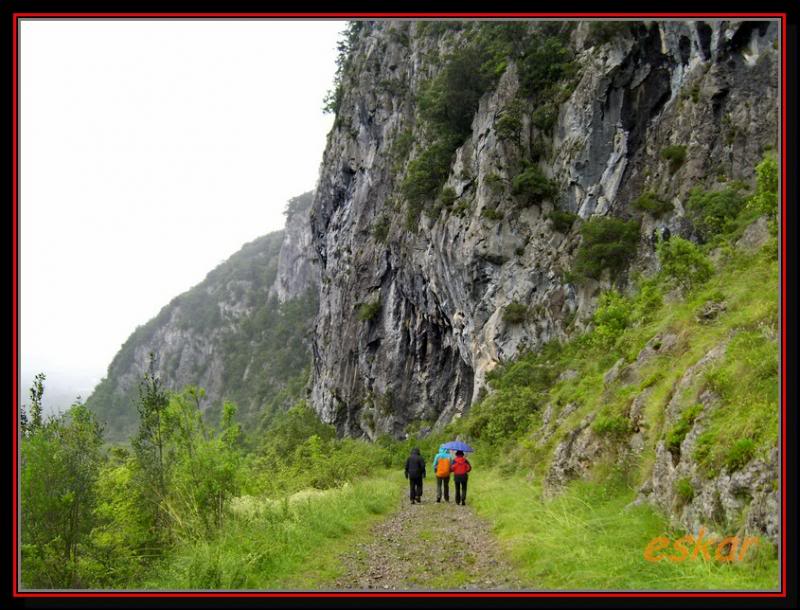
<point x="442" y="290"/>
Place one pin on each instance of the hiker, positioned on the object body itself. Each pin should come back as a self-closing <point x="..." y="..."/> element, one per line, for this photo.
<point x="415" y="472"/>
<point x="461" y="467"/>
<point x="442" y="465"/>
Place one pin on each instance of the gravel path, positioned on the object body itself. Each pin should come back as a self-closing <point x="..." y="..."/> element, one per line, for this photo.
<point x="428" y="546"/>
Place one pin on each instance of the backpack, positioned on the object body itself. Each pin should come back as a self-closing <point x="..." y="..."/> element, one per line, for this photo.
<point x="461" y="466"/>
<point x="443" y="467"/>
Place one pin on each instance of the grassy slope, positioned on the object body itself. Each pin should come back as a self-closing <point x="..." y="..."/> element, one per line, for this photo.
<point x="585" y="538"/>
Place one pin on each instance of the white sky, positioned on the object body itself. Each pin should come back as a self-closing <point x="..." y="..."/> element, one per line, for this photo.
<point x="150" y="151"/>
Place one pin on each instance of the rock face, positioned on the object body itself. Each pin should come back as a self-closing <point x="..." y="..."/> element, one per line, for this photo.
<point x="439" y="291"/>
<point x="241" y="334"/>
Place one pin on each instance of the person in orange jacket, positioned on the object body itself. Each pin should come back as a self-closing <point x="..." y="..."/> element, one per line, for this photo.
<point x="461" y="467"/>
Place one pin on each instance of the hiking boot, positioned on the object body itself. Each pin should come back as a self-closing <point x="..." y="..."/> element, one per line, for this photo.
<point x="438" y="500"/>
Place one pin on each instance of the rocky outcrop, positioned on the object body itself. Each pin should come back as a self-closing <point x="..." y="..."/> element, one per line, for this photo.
<point x="297" y="267"/>
<point x="241" y="334"/>
<point x="439" y="292"/>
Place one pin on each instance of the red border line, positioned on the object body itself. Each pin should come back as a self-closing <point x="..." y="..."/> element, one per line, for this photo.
<point x="388" y="15"/>
<point x="190" y="594"/>
<point x="15" y="207"/>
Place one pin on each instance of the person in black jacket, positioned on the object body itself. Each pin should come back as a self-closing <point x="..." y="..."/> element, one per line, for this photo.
<point x="415" y="472"/>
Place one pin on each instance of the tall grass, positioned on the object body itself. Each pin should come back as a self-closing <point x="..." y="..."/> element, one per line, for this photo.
<point x="291" y="543"/>
<point x="588" y="538"/>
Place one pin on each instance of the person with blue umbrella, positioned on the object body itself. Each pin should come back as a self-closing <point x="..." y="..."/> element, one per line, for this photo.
<point x="461" y="468"/>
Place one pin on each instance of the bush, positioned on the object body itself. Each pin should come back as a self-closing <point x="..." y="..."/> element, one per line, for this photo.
<point x="681" y="428"/>
<point x="765" y="201"/>
<point x="545" y="117"/>
<point x="533" y="186"/>
<point x="614" y="426"/>
<point x="650" y="203"/>
<point x="676" y="155"/>
<point x="684" y="489"/>
<point x="611" y="318"/>
<point x="714" y="212"/>
<point x="509" y="125"/>
<point x="562" y="221"/>
<point x="683" y="262"/>
<point x="608" y="243"/>
<point x="515" y="313"/>
<point x="739" y="454"/>
<point x="369" y="311"/>
<point x="426" y="174"/>
<point x="547" y="61"/>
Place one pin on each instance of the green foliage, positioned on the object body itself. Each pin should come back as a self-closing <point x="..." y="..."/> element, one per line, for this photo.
<point x="401" y="148"/>
<point x="609" y="425"/>
<point x="426" y="174"/>
<point x="608" y="243"/>
<point x="714" y="212"/>
<point x="369" y="311"/>
<point x="562" y="221"/>
<point x="544" y="117"/>
<point x="333" y="97"/>
<point x="765" y="200"/>
<point x="649" y="202"/>
<point x="515" y="313"/>
<point x="596" y="516"/>
<point x="611" y="318"/>
<point x="532" y="186"/>
<point x="546" y="61"/>
<point x="739" y="454"/>
<point x="509" y="125"/>
<point x="684" y="489"/>
<point x="491" y="213"/>
<point x="380" y="229"/>
<point x="683" y="262"/>
<point x="675" y="154"/>
<point x="59" y="463"/>
<point x="682" y="427"/>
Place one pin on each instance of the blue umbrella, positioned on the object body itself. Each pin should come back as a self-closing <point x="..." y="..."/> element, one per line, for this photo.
<point x="458" y="446"/>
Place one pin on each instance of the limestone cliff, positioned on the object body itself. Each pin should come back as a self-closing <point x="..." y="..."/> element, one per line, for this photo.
<point x="411" y="315"/>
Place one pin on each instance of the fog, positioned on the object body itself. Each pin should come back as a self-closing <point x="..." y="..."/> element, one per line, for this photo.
<point x="150" y="151"/>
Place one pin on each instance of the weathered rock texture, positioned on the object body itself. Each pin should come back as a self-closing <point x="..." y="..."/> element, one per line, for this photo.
<point x="442" y="289"/>
<point x="241" y="334"/>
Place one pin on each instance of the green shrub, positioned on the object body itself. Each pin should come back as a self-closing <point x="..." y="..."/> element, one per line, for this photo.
<point x="369" y="311"/>
<point x="532" y="186"/>
<point x="447" y="197"/>
<point x="515" y="313"/>
<point x="611" y="318"/>
<point x="681" y="428"/>
<point x="448" y="102"/>
<point x="648" y="300"/>
<point x="739" y="454"/>
<point x="546" y="62"/>
<point x="683" y="262"/>
<point x="714" y="212"/>
<point x="649" y="202"/>
<point x="380" y="230"/>
<point x="685" y="490"/>
<point x="676" y="155"/>
<point x="491" y="213"/>
<point x="401" y="148"/>
<point x="509" y="125"/>
<point x="765" y="200"/>
<point x="545" y="117"/>
<point x="614" y="426"/>
<point x="426" y="174"/>
<point x="562" y="221"/>
<point x="608" y="243"/>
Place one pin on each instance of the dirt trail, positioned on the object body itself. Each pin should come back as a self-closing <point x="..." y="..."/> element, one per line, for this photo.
<point x="428" y="546"/>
